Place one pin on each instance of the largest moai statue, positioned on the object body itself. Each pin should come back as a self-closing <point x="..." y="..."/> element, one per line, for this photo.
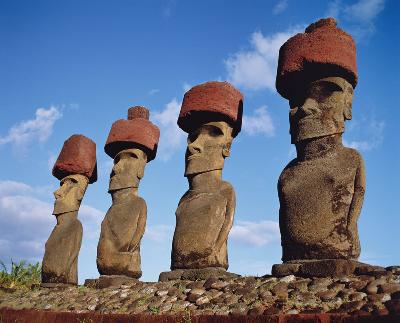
<point x="321" y="191"/>
<point x="132" y="144"/>
<point x="211" y="114"/>
<point x="75" y="168"/>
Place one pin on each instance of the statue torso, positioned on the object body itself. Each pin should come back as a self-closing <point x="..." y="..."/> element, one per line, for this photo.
<point x="199" y="219"/>
<point x="121" y="220"/>
<point x="315" y="198"/>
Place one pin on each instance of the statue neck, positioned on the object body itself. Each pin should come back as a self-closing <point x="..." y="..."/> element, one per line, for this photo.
<point x="205" y="181"/>
<point x="318" y="147"/>
<point x="66" y="217"/>
<point x="120" y="196"/>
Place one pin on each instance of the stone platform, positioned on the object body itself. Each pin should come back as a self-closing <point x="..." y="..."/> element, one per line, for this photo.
<point x="105" y="281"/>
<point x="196" y="274"/>
<point x="372" y="293"/>
<point x="324" y="268"/>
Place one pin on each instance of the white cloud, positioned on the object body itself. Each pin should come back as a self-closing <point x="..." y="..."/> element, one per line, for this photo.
<point x="38" y="129"/>
<point x="360" y="16"/>
<point x="255" y="69"/>
<point x="12" y="187"/>
<point x="154" y="91"/>
<point x="172" y="137"/>
<point x="280" y="7"/>
<point x="159" y="233"/>
<point x="26" y="221"/>
<point x="364" y="10"/>
<point x="255" y="233"/>
<point x="259" y="123"/>
<point x="370" y="129"/>
<point x="91" y="213"/>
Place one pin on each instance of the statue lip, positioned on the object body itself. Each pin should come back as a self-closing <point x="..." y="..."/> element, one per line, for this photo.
<point x="308" y="117"/>
<point x="193" y="156"/>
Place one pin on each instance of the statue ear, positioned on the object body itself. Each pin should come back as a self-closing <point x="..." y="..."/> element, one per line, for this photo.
<point x="347" y="112"/>
<point x="226" y="150"/>
<point x="140" y="172"/>
<point x="348" y="104"/>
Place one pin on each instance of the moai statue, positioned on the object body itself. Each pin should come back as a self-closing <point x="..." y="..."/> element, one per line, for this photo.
<point x="75" y="168"/>
<point x="321" y="191"/>
<point x="211" y="114"/>
<point x="131" y="143"/>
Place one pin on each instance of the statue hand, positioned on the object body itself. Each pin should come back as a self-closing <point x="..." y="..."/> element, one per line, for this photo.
<point x="208" y="251"/>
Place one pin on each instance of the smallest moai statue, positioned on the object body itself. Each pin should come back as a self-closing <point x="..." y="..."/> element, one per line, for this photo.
<point x="75" y="167"/>
<point x="132" y="144"/>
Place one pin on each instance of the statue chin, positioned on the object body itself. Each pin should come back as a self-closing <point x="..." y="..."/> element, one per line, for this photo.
<point x="119" y="184"/>
<point x="61" y="207"/>
<point x="202" y="165"/>
<point x="314" y="129"/>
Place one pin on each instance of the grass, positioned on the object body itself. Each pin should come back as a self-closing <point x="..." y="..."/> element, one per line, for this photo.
<point x="154" y="310"/>
<point x="20" y="276"/>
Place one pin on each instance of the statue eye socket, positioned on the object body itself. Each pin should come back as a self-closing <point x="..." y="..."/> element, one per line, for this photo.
<point x="322" y="90"/>
<point x="133" y="155"/>
<point x="214" y="131"/>
<point x="192" y="136"/>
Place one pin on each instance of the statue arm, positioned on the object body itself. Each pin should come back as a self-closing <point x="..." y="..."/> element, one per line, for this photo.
<point x="76" y="247"/>
<point x="281" y="217"/>
<point x="140" y="228"/>
<point x="229" y="213"/>
<point x="358" y="197"/>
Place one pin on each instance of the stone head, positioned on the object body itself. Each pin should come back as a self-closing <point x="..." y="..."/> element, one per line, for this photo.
<point x="207" y="147"/>
<point x="211" y="114"/>
<point x="320" y="108"/>
<point x="128" y="169"/>
<point x="70" y="194"/>
<point x="317" y="72"/>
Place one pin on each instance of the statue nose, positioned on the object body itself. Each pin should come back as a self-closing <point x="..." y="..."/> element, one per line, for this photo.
<point x="310" y="106"/>
<point x="194" y="147"/>
<point x="57" y="194"/>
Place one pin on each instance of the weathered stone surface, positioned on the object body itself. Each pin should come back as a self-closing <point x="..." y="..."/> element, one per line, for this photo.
<point x="153" y="298"/>
<point x="366" y="269"/>
<point x="197" y="274"/>
<point x="132" y="146"/>
<point x="60" y="260"/>
<point x="328" y="267"/>
<point x="211" y="100"/>
<point x="56" y="285"/>
<point x="389" y="288"/>
<point x="205" y="213"/>
<point x="393" y="306"/>
<point x="329" y="209"/>
<point x="316" y="268"/>
<point x="281" y="270"/>
<point x="321" y="191"/>
<point x="326" y="295"/>
<point x="105" y="281"/>
<point x="77" y="156"/>
<point x="323" y="50"/>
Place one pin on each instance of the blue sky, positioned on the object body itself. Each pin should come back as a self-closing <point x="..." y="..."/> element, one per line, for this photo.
<point x="77" y="66"/>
